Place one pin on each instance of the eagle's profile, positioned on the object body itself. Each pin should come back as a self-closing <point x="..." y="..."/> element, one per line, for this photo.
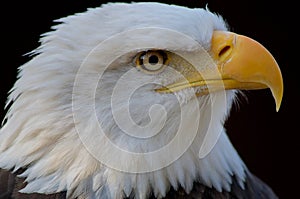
<point x="129" y="101"/>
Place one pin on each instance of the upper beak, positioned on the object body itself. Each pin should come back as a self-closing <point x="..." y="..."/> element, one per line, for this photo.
<point x="242" y="63"/>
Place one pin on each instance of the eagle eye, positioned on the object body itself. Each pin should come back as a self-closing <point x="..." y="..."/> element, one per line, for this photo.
<point x="152" y="61"/>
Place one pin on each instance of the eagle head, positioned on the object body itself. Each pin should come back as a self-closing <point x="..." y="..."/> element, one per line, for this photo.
<point x="126" y="100"/>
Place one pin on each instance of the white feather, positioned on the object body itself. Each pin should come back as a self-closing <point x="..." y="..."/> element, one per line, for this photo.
<point x="40" y="134"/>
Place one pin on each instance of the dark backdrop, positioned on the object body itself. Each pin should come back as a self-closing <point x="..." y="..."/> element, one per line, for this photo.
<point x="265" y="139"/>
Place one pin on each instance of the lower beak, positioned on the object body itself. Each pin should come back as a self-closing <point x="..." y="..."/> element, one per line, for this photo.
<point x="242" y="64"/>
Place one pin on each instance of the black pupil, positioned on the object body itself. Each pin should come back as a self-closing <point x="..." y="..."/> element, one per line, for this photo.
<point x="153" y="59"/>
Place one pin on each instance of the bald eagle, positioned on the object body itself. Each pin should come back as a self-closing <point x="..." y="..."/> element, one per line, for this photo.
<point x="129" y="101"/>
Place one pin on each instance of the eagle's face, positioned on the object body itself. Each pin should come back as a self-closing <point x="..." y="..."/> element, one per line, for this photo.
<point x="132" y="97"/>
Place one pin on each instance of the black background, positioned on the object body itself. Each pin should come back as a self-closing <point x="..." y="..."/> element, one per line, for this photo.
<point x="266" y="139"/>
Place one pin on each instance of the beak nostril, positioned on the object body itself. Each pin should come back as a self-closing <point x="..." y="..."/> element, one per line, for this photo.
<point x="224" y="52"/>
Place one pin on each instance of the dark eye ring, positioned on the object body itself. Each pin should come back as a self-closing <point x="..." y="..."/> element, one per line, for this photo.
<point x="152" y="61"/>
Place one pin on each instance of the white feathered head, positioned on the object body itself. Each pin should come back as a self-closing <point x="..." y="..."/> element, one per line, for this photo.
<point x="126" y="99"/>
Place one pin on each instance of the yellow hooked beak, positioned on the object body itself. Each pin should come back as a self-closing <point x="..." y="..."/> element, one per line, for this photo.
<point x="242" y="64"/>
